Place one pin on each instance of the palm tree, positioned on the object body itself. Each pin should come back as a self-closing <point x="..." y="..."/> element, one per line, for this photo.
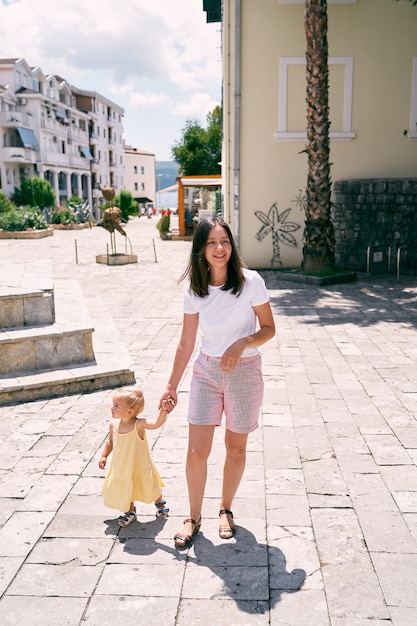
<point x="319" y="242"/>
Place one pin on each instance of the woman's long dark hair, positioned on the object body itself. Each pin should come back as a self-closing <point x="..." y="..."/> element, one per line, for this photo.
<point x="198" y="270"/>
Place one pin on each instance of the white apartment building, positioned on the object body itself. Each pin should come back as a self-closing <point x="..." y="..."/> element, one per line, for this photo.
<point x="106" y="141"/>
<point x="139" y="175"/>
<point x="71" y="137"/>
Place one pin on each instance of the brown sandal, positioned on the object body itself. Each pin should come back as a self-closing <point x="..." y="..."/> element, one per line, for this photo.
<point x="226" y="532"/>
<point x="183" y="541"/>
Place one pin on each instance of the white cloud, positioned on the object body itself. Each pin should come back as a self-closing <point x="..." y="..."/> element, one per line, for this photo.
<point x="144" y="100"/>
<point x="156" y="56"/>
<point x="195" y="107"/>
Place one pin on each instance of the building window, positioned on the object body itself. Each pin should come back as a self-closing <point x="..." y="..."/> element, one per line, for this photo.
<point x="142" y="186"/>
<point x="135" y="169"/>
<point x="291" y="119"/>
<point x="136" y="186"/>
<point x="142" y="170"/>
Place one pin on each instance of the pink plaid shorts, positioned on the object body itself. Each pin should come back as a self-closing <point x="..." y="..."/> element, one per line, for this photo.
<point x="238" y="394"/>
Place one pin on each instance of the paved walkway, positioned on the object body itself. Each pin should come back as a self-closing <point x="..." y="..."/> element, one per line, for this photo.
<point x="327" y="510"/>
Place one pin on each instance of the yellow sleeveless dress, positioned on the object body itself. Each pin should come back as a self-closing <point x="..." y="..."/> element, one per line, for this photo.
<point x="132" y="475"/>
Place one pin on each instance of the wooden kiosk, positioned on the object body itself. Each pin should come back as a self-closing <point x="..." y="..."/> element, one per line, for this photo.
<point x="198" y="197"/>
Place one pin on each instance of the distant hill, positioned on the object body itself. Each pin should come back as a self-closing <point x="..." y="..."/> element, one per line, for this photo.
<point x="167" y="171"/>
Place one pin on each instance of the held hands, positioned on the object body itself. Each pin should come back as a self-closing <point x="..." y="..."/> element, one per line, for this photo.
<point x="167" y="404"/>
<point x="168" y="400"/>
<point x="231" y="357"/>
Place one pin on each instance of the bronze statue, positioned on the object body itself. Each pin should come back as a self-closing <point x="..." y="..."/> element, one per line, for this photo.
<point x="112" y="217"/>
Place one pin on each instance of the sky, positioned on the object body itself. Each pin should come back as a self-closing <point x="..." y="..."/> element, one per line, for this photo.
<point x="158" y="59"/>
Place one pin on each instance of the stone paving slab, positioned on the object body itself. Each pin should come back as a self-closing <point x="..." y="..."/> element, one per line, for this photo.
<point x="327" y="510"/>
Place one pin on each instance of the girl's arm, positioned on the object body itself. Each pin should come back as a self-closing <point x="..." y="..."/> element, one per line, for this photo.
<point x="142" y="423"/>
<point x="160" y="420"/>
<point x="108" y="447"/>
<point x="266" y="331"/>
<point x="183" y="354"/>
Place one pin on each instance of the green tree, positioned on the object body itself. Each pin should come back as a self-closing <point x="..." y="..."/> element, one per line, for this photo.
<point x="198" y="152"/>
<point x="34" y="192"/>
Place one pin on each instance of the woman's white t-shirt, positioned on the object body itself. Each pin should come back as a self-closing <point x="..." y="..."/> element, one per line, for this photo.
<point x="224" y="318"/>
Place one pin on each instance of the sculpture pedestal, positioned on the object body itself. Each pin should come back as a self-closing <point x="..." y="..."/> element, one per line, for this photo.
<point x="116" y="259"/>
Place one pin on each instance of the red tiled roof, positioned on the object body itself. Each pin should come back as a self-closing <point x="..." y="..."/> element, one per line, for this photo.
<point x="138" y="151"/>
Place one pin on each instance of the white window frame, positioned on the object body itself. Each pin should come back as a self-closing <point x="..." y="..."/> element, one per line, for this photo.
<point x="412" y="134"/>
<point x="283" y="134"/>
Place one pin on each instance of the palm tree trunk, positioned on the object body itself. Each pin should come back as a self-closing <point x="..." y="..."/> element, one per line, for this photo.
<point x="318" y="250"/>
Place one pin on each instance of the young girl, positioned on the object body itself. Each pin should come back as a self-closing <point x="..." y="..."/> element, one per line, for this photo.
<point x="230" y="304"/>
<point x="132" y="474"/>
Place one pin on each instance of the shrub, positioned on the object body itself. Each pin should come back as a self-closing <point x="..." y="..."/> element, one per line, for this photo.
<point x="82" y="210"/>
<point x="18" y="219"/>
<point x="163" y="224"/>
<point x="34" y="192"/>
<point x="64" y="216"/>
<point x="5" y="203"/>
<point x="126" y="204"/>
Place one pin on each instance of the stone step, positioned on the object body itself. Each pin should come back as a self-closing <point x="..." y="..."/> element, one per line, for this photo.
<point x="33" y="308"/>
<point x="26" y="295"/>
<point x="112" y="366"/>
<point x="66" y="342"/>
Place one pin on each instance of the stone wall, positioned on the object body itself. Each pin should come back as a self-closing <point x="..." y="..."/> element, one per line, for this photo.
<point x="377" y="213"/>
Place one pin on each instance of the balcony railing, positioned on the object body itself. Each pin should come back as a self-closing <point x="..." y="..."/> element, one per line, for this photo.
<point x="17" y="155"/>
<point x="15" y="118"/>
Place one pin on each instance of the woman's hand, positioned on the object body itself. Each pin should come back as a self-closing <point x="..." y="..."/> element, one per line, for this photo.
<point x="167" y="405"/>
<point x="231" y="357"/>
<point x="168" y="400"/>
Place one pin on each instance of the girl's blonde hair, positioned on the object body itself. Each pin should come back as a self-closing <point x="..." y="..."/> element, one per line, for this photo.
<point x="133" y="397"/>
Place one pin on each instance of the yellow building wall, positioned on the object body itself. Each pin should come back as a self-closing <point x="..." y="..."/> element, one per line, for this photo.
<point x="381" y="37"/>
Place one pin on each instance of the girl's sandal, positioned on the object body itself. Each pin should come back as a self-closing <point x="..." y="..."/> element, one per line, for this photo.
<point x="182" y="540"/>
<point x="127" y="518"/>
<point x="161" y="510"/>
<point x="226" y="532"/>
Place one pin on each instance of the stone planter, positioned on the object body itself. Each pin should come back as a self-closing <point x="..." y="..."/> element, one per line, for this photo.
<point x="70" y="226"/>
<point x="116" y="259"/>
<point x="26" y="234"/>
<point x="299" y="277"/>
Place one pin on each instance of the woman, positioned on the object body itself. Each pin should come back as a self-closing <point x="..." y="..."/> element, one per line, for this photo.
<point x="227" y="301"/>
